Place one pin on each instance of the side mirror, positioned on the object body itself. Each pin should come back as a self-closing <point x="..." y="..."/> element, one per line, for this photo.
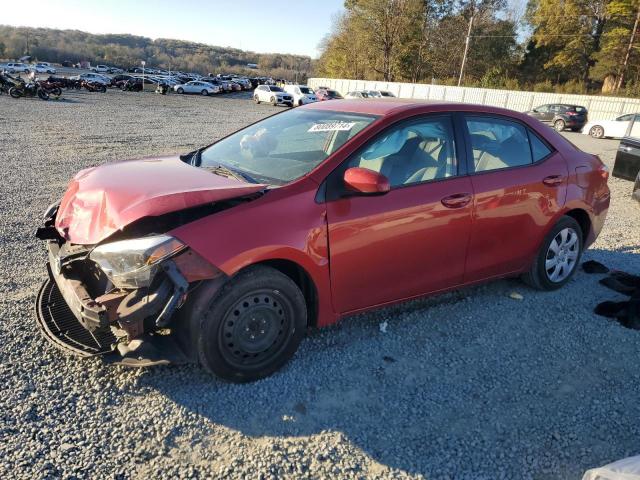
<point x="366" y="181"/>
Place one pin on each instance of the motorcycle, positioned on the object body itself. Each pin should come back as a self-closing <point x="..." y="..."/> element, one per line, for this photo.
<point x="94" y="86"/>
<point x="52" y="88"/>
<point x="130" y="85"/>
<point x="6" y="82"/>
<point x="31" y="89"/>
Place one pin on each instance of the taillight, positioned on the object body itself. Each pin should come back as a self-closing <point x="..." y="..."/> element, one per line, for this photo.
<point x="603" y="170"/>
<point x="571" y="114"/>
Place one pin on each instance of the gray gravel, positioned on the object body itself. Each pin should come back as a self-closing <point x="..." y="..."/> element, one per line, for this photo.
<point x="472" y="384"/>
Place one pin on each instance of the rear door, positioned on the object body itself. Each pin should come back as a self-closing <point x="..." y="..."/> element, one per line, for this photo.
<point x="411" y="240"/>
<point x="627" y="164"/>
<point x="519" y="184"/>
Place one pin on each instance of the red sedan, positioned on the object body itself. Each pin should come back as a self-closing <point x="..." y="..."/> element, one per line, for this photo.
<point x="226" y="255"/>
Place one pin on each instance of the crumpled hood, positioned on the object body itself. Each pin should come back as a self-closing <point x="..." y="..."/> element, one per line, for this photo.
<point x="102" y="200"/>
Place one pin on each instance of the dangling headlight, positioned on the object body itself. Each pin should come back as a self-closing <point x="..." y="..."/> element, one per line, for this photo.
<point x="133" y="263"/>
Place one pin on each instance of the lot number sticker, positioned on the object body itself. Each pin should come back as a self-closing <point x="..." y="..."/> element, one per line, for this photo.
<point x="332" y="127"/>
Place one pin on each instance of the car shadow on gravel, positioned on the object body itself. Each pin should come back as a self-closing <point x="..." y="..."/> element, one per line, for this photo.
<point x="474" y="383"/>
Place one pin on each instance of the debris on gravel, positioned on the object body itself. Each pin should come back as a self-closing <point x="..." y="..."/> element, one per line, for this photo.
<point x="465" y="385"/>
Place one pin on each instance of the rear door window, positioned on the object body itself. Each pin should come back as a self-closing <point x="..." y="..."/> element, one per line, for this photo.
<point x="498" y="143"/>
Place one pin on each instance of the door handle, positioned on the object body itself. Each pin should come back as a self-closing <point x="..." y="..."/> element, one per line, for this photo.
<point x="553" y="180"/>
<point x="457" y="200"/>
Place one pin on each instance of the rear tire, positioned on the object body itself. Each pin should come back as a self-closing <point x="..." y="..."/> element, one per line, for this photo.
<point x="14" y="92"/>
<point x="256" y="99"/>
<point x="596" y="131"/>
<point x="43" y="95"/>
<point x="559" y="125"/>
<point x="204" y="93"/>
<point x="180" y="90"/>
<point x="558" y="258"/>
<point x="253" y="325"/>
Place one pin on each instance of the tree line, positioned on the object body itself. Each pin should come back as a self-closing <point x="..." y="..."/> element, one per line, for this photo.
<point x="129" y="50"/>
<point x="572" y="46"/>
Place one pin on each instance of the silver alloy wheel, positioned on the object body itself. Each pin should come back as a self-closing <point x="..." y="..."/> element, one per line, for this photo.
<point x="596" y="131"/>
<point x="562" y="255"/>
<point x="559" y="125"/>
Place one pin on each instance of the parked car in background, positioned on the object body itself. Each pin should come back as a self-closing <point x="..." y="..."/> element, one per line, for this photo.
<point x="92" y="77"/>
<point x="301" y="94"/>
<point x="202" y="88"/>
<point x="14" y="67"/>
<point x="561" y="116"/>
<point x="357" y="94"/>
<point x="380" y="94"/>
<point x="273" y="95"/>
<point x="615" y="128"/>
<point x="627" y="163"/>
<point x="323" y="94"/>
<point x="234" y="250"/>
<point x="101" y="69"/>
<point x="44" y="67"/>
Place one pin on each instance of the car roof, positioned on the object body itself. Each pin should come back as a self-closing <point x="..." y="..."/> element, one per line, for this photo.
<point x="388" y="106"/>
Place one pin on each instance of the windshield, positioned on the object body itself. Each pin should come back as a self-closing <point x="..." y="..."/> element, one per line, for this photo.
<point x="306" y="90"/>
<point x="275" y="89"/>
<point x="286" y="146"/>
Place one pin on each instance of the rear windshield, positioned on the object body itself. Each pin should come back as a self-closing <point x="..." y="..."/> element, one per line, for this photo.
<point x="577" y="109"/>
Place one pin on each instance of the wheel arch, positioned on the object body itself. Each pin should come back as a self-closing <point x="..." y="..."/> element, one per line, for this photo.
<point x="301" y="277"/>
<point x="582" y="217"/>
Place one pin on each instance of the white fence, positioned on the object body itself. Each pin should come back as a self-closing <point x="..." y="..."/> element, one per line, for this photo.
<point x="600" y="108"/>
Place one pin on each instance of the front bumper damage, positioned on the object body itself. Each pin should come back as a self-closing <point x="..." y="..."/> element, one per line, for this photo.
<point x="78" y="313"/>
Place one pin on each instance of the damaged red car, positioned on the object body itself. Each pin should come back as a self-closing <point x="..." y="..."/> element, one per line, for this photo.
<point x="226" y="255"/>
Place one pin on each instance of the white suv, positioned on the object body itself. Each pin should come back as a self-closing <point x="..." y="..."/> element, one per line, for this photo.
<point x="301" y="94"/>
<point x="272" y="94"/>
<point x="15" y="67"/>
<point x="101" y="69"/>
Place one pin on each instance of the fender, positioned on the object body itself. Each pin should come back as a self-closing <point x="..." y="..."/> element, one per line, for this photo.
<point x="285" y="224"/>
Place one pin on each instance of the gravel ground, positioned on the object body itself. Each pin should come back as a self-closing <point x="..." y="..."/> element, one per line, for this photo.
<point x="472" y="384"/>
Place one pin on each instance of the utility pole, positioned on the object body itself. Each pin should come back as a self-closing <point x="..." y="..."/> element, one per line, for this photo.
<point x="466" y="50"/>
<point x="629" y="49"/>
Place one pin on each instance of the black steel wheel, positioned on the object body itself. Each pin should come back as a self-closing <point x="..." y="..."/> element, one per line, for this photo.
<point x="253" y="326"/>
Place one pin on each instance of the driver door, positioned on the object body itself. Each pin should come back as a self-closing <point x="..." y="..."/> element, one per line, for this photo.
<point x="411" y="240"/>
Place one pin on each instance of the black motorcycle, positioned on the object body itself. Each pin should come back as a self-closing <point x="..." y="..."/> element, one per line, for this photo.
<point x="133" y="85"/>
<point x="6" y="82"/>
<point x="31" y="89"/>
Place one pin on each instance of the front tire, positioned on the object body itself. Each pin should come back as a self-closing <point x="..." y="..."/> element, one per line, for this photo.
<point x="596" y="131"/>
<point x="558" y="257"/>
<point x="252" y="326"/>
<point x="257" y="99"/>
<point x="15" y="93"/>
<point x="180" y="90"/>
<point x="559" y="125"/>
<point x="274" y="102"/>
<point x="204" y="93"/>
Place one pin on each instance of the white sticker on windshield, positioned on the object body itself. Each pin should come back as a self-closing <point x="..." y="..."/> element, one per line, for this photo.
<point x="332" y="127"/>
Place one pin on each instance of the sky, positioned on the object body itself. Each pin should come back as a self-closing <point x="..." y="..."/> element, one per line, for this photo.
<point x="259" y="26"/>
